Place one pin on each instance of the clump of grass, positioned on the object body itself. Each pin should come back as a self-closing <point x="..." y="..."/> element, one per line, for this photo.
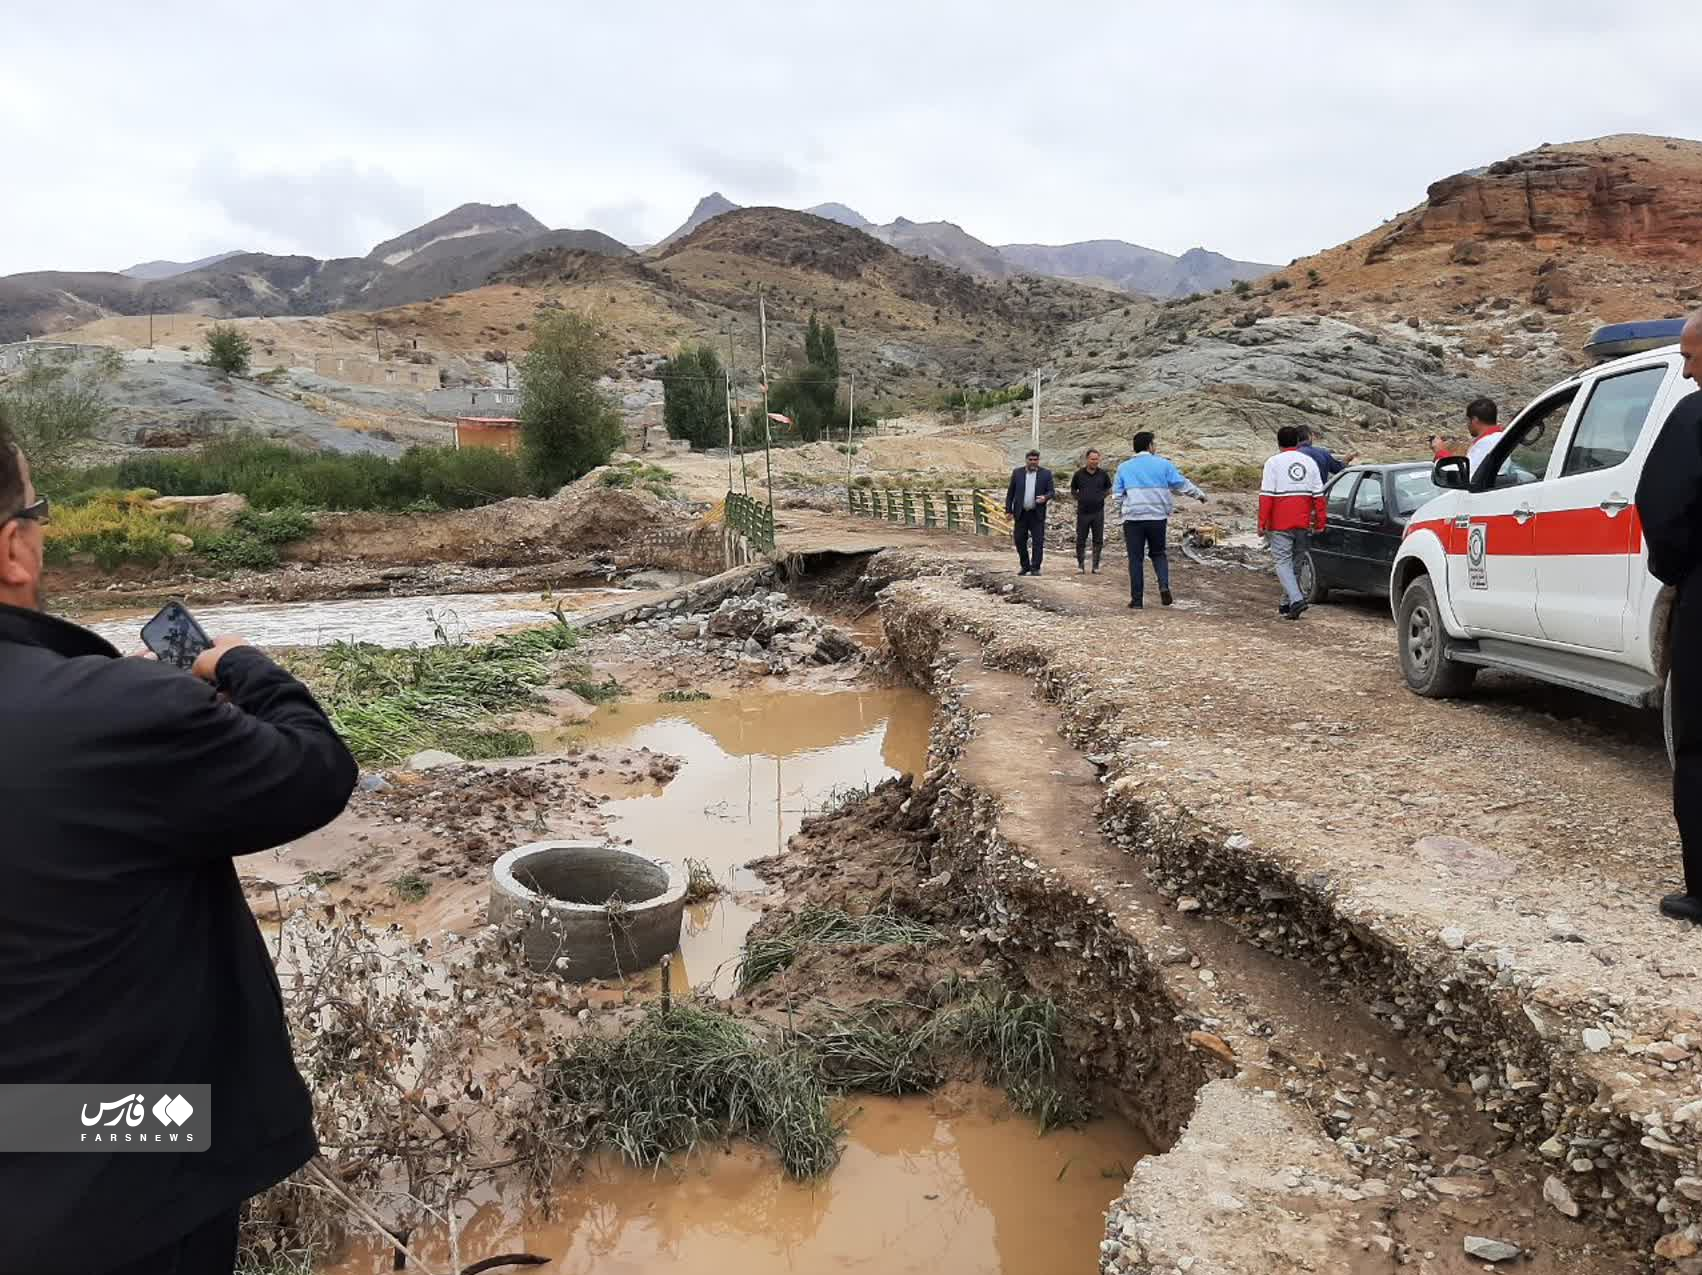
<point x="691" y="1073"/>
<point x="688" y="1074"/>
<point x="767" y="956"/>
<point x="319" y="879"/>
<point x="411" y="887"/>
<point x="389" y="704"/>
<point x="652" y="478"/>
<point x="700" y="881"/>
<point x="874" y="1053"/>
<point x="682" y="697"/>
<point x="596" y="692"/>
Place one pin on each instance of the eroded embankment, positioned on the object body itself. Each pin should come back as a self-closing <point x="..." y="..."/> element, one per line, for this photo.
<point x="1378" y="1100"/>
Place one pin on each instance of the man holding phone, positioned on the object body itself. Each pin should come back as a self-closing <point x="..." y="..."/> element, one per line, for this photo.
<point x="128" y="954"/>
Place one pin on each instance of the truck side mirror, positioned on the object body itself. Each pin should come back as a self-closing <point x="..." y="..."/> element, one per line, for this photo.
<point x="1452" y="472"/>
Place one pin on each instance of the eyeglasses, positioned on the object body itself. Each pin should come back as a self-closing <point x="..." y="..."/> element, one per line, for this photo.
<point x="37" y="512"/>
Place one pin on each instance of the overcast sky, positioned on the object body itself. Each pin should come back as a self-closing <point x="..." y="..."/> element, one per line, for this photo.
<point x="133" y="131"/>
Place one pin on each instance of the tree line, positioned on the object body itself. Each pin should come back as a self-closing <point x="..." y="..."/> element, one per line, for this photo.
<point x="694" y="396"/>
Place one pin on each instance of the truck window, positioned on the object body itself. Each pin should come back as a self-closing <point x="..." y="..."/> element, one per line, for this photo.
<point x="1368" y="502"/>
<point x="1612" y="420"/>
<point x="1338" y="494"/>
<point x="1532" y="438"/>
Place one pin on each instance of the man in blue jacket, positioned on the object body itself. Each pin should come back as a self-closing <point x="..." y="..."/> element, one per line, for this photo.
<point x="1025" y="502"/>
<point x="1144" y="493"/>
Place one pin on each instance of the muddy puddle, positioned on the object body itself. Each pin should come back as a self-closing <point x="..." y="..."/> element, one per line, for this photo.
<point x="952" y="1184"/>
<point x="754" y="766"/>
<point x="381" y="620"/>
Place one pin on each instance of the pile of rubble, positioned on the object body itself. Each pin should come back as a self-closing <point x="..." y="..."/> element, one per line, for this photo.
<point x="754" y="628"/>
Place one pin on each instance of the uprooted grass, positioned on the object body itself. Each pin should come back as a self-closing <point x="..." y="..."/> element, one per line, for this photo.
<point x="388" y="704"/>
<point x="816" y="926"/>
<point x="690" y="1073"/>
<point x="701" y="882"/>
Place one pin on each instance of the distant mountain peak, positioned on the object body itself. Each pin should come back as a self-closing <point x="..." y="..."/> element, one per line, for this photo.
<point x="709" y="207"/>
<point x="842" y="213"/>
<point x="148" y="271"/>
<point x="458" y="223"/>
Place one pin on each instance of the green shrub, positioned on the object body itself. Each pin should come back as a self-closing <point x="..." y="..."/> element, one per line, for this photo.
<point x="228" y="349"/>
<point x="274" y="476"/>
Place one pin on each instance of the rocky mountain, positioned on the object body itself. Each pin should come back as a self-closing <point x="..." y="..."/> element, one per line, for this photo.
<point x="1541" y="246"/>
<point x="909" y="327"/>
<point x="711" y="205"/>
<point x="149" y="270"/>
<point x="1132" y="268"/>
<point x="466" y="222"/>
<point x="947" y="242"/>
<point x="1491" y="285"/>
<point x="843" y="215"/>
<point x="1102" y="263"/>
<point x="462" y="249"/>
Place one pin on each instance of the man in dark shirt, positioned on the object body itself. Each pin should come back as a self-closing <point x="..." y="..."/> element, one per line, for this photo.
<point x="1090" y="485"/>
<point x="1328" y="465"/>
<point x="1669" y="502"/>
<point x="128" y="955"/>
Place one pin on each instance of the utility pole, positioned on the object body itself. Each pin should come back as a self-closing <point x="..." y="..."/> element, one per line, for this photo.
<point x="732" y="418"/>
<point x="150" y="320"/>
<point x="767" y="425"/>
<point x="850" y="433"/>
<point x="1035" y="441"/>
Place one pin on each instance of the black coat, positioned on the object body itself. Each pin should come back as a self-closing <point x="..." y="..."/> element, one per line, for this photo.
<point x="127" y="951"/>
<point x="1669" y="495"/>
<point x="1019" y="479"/>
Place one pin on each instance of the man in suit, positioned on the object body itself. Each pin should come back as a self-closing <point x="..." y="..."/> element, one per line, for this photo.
<point x="1025" y="502"/>
<point x="1669" y="501"/>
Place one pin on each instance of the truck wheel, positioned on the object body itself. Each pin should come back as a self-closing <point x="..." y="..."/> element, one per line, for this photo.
<point x="1306" y="576"/>
<point x="1669" y="723"/>
<point x="1424" y="646"/>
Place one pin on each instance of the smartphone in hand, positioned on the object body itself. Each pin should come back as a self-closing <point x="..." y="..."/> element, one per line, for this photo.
<point x="174" y="636"/>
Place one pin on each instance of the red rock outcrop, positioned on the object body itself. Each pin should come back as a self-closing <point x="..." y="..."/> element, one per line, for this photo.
<point x="1646" y="196"/>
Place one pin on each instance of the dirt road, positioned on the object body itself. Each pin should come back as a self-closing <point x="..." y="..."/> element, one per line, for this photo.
<point x="1481" y="875"/>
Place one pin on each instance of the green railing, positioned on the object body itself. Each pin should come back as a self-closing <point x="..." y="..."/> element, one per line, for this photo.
<point x="957" y="509"/>
<point x="751" y="519"/>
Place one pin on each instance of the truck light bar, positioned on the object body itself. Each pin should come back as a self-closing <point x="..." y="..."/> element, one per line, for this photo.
<point x="1619" y="339"/>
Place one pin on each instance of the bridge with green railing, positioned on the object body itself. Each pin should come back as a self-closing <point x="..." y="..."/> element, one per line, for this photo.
<point x="972" y="509"/>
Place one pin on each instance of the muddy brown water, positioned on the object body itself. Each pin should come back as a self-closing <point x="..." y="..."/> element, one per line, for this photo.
<point x="754" y="766"/>
<point x="381" y="620"/>
<point x="949" y="1184"/>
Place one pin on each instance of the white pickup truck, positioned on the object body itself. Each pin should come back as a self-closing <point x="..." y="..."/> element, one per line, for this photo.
<point x="1535" y="564"/>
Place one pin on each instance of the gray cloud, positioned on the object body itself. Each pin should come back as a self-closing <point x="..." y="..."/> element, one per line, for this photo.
<point x="627" y="220"/>
<point x="762" y="176"/>
<point x="338" y="208"/>
<point x="1262" y="131"/>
